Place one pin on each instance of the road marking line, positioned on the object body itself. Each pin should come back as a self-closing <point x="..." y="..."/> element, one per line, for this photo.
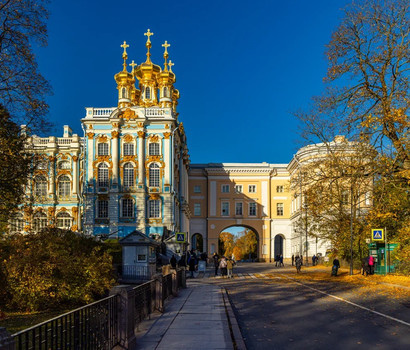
<point x="252" y="275"/>
<point x="262" y="275"/>
<point x="241" y="276"/>
<point x="351" y="303"/>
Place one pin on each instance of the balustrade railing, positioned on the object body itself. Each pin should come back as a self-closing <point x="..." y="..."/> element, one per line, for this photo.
<point x="145" y="298"/>
<point x="94" y="326"/>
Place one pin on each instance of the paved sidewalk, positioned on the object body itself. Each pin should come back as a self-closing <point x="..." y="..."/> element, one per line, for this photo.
<point x="195" y="319"/>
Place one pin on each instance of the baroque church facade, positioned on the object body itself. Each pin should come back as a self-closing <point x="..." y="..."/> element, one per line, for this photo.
<point x="131" y="170"/>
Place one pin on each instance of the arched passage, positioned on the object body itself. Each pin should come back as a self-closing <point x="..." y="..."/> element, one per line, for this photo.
<point x="197" y="242"/>
<point x="278" y="245"/>
<point x="242" y="242"/>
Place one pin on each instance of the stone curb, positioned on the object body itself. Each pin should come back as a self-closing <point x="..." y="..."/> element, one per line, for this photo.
<point x="239" y="344"/>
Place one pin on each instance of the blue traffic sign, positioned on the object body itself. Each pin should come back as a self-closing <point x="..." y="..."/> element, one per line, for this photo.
<point x="180" y="237"/>
<point x="378" y="234"/>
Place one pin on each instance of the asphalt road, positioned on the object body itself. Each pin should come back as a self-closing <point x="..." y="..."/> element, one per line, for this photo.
<point x="280" y="313"/>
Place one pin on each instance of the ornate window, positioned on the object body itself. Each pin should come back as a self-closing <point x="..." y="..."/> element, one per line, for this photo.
<point x="103" y="149"/>
<point x="128" y="149"/>
<point x="153" y="149"/>
<point x="103" y="175"/>
<point x="154" y="207"/>
<point x="147" y="93"/>
<point x="102" y="209"/>
<point x="128" y="176"/>
<point x="166" y="92"/>
<point x="64" y="186"/>
<point x="127" y="208"/>
<point x="42" y="165"/>
<point x="40" y="186"/>
<point x="64" y="165"/>
<point x="154" y="175"/>
<point x="64" y="220"/>
<point x="17" y="223"/>
<point x="124" y="93"/>
<point x="39" y="221"/>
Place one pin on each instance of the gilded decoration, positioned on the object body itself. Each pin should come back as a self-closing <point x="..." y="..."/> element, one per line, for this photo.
<point x="90" y="126"/>
<point x="154" y="221"/>
<point x="102" y="138"/>
<point x="128" y="138"/>
<point x="140" y="124"/>
<point x="51" y="158"/>
<point x="75" y="158"/>
<point x="63" y="156"/>
<point x="154" y="196"/>
<point x="74" y="228"/>
<point x="129" y="159"/>
<point x="129" y="115"/>
<point x="115" y="134"/>
<point x="154" y="138"/>
<point x="166" y="126"/>
<point x="40" y="172"/>
<point x="90" y="135"/>
<point x="130" y="127"/>
<point x="115" y="125"/>
<point x="28" y="211"/>
<point x="167" y="135"/>
<point x="51" y="212"/>
<point x="141" y="134"/>
<point x="74" y="211"/>
<point x="63" y="172"/>
<point x="157" y="158"/>
<point x="103" y="197"/>
<point x="62" y="209"/>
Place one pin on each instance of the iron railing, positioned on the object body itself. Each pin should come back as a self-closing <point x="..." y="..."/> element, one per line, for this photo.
<point x="167" y="286"/>
<point x="94" y="326"/>
<point x="145" y="298"/>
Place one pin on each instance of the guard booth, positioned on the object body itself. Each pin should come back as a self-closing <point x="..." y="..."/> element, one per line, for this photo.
<point x="139" y="261"/>
<point x="384" y="263"/>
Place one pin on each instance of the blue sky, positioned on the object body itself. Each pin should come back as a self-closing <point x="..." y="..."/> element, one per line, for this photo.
<point x="242" y="67"/>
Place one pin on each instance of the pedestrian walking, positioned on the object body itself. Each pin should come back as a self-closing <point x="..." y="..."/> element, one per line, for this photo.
<point x="277" y="258"/>
<point x="173" y="262"/>
<point x="335" y="267"/>
<point x="365" y="266"/>
<point x="229" y="267"/>
<point x="215" y="258"/>
<point x="313" y="260"/>
<point x="223" y="266"/>
<point x="192" y="264"/>
<point x="298" y="263"/>
<point x="371" y="265"/>
<point x="281" y="261"/>
<point x="293" y="259"/>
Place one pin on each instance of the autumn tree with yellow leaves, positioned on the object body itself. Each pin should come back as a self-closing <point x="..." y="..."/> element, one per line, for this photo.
<point x="367" y="100"/>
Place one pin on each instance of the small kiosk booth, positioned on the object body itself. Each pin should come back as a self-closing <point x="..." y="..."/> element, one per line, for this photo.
<point x="139" y="261"/>
<point x="381" y="254"/>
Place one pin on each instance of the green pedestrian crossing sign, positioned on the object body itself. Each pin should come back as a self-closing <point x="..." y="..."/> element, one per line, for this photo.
<point x="377" y="234"/>
<point x="180" y="237"/>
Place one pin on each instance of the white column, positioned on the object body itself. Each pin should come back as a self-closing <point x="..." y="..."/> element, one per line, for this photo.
<point x="114" y="153"/>
<point x="141" y="157"/>
<point x="75" y="174"/>
<point x="52" y="176"/>
<point x="167" y="158"/>
<point x="90" y="157"/>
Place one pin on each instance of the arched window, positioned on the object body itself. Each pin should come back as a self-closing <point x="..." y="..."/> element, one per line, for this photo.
<point x="17" y="223"/>
<point x="64" y="220"/>
<point x="166" y="94"/>
<point x="42" y="165"/>
<point x="154" y="175"/>
<point x="40" y="186"/>
<point x="39" y="221"/>
<point x="103" y="175"/>
<point x="124" y="93"/>
<point x="127" y="208"/>
<point x="154" y="208"/>
<point x="103" y="149"/>
<point x="128" y="149"/>
<point x="64" y="165"/>
<point x="147" y="93"/>
<point x="153" y="149"/>
<point x="64" y="186"/>
<point x="128" y="177"/>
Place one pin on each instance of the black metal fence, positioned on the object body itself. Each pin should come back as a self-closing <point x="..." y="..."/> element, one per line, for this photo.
<point x="102" y="324"/>
<point x="94" y="326"/>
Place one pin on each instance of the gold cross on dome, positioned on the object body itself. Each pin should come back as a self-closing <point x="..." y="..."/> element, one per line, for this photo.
<point x="166" y="45"/>
<point x="125" y="47"/>
<point x="148" y="34"/>
<point x="133" y="64"/>
<point x="170" y="64"/>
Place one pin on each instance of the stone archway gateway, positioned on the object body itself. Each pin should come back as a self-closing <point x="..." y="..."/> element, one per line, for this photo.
<point x="241" y="242"/>
<point x="278" y="245"/>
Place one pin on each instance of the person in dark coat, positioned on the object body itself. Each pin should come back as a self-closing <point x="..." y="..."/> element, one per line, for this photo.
<point x="173" y="262"/>
<point x="215" y="258"/>
<point x="336" y="266"/>
<point x="192" y="264"/>
<point x="293" y="259"/>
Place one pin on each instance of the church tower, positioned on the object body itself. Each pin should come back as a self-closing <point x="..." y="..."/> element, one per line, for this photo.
<point x="136" y="164"/>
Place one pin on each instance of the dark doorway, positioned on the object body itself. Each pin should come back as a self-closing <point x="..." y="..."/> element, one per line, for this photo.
<point x="278" y="248"/>
<point x="198" y="242"/>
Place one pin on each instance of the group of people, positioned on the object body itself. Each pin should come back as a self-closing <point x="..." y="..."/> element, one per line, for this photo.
<point x="224" y="264"/>
<point x="279" y="260"/>
<point x="368" y="265"/>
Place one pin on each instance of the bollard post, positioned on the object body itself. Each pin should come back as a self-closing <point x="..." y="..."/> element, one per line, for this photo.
<point x="174" y="283"/>
<point x="6" y="340"/>
<point x="159" y="283"/>
<point x="126" y="319"/>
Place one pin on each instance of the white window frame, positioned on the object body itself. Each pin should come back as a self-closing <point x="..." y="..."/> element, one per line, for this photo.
<point x="40" y="186"/>
<point x="238" y="208"/>
<point x="279" y="189"/>
<point x="128" y="175"/>
<point x="154" y="149"/>
<point x="64" y="186"/>
<point x="252" y="188"/>
<point x="225" y="188"/>
<point x="102" y="149"/>
<point x="40" y="221"/>
<point x="238" y="188"/>
<point x="63" y="165"/>
<point x="128" y="149"/>
<point x="103" y="178"/>
<point x="127" y="208"/>
<point x="64" y="220"/>
<point x="252" y="207"/>
<point x="227" y="209"/>
<point x="280" y="210"/>
<point x="154" y="175"/>
<point x="154" y="208"/>
<point x="197" y="209"/>
<point x="102" y="209"/>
